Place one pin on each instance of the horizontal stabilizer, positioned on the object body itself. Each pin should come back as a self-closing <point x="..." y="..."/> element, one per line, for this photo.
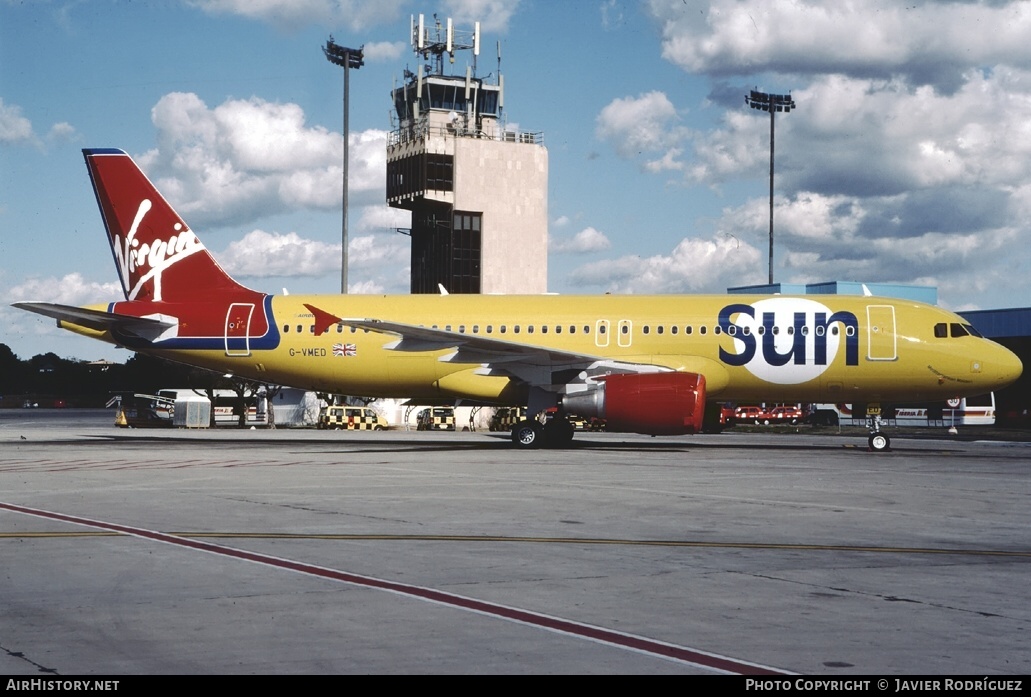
<point x="143" y="327"/>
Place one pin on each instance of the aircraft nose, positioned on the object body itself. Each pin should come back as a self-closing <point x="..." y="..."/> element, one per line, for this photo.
<point x="1001" y="367"/>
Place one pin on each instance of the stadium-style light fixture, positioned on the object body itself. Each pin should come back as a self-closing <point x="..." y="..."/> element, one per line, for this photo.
<point x="771" y="103"/>
<point x="346" y="58"/>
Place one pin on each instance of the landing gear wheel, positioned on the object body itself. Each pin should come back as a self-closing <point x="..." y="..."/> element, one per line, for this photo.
<point x="879" y="442"/>
<point x="528" y="434"/>
<point x="558" y="433"/>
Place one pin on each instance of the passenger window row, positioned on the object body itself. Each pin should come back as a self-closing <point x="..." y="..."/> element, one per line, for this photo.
<point x="940" y="330"/>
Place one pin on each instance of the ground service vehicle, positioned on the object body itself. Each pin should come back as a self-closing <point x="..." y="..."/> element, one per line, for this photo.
<point x="748" y="414"/>
<point x="786" y="414"/>
<point x="769" y="416"/>
<point x="436" y="419"/>
<point x="504" y="418"/>
<point x="351" y="419"/>
<point x="976" y="410"/>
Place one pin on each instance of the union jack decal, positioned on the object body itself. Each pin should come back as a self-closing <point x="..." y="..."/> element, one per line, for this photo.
<point x="345" y="350"/>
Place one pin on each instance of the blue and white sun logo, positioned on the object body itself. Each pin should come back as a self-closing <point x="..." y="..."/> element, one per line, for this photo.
<point x="787" y="341"/>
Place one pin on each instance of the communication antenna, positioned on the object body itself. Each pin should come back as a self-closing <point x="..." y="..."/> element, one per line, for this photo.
<point x="476" y="44"/>
<point x="501" y="83"/>
<point x="447" y="39"/>
<point x="418" y="95"/>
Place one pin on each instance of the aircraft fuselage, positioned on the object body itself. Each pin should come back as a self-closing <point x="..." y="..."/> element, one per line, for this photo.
<point x="750" y="348"/>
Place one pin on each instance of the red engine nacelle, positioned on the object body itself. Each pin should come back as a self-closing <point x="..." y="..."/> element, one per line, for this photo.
<point x="652" y="403"/>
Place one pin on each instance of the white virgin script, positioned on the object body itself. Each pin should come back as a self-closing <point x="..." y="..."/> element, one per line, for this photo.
<point x="149" y="260"/>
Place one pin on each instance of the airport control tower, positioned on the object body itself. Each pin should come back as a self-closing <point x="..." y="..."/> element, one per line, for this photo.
<point x="477" y="190"/>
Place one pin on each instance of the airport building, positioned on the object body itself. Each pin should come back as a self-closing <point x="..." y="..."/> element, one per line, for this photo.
<point x="477" y="190"/>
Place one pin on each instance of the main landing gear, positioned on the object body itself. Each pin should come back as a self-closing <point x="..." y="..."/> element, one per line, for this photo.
<point x="531" y="433"/>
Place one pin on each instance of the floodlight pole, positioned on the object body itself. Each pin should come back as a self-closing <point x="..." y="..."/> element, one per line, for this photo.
<point x="772" y="150"/>
<point x="771" y="103"/>
<point x="347" y="58"/>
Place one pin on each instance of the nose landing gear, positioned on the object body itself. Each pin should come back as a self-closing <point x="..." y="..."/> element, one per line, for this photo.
<point x="879" y="441"/>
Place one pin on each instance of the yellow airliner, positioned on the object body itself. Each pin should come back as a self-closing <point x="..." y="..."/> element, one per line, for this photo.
<point x="646" y="364"/>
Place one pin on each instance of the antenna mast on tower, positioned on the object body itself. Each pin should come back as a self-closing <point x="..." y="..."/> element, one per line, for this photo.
<point x="446" y="39"/>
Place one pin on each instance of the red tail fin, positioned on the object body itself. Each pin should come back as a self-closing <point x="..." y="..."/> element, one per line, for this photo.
<point x="157" y="255"/>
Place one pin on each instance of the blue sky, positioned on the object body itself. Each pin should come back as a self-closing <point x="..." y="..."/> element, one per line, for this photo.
<point x="907" y="159"/>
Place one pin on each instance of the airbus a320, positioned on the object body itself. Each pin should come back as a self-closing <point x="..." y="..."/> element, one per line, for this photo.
<point x="645" y="364"/>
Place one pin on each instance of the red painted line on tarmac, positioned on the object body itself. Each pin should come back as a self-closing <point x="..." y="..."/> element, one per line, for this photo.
<point x="601" y="635"/>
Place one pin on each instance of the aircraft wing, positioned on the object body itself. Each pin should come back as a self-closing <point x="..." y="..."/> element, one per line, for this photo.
<point x="537" y="365"/>
<point x="469" y="348"/>
<point x="148" y="328"/>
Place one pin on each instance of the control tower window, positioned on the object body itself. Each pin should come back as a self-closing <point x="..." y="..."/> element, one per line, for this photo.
<point x="415" y="174"/>
<point x="465" y="269"/>
<point x="488" y="102"/>
<point x="440" y="172"/>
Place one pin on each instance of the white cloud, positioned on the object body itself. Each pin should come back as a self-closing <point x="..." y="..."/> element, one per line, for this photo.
<point x="382" y="51"/>
<point x="911" y="168"/>
<point x="14" y="128"/>
<point x="377" y="250"/>
<point x="670" y="161"/>
<point x="820" y="238"/>
<point x="365" y="288"/>
<point x="245" y="159"/>
<point x="693" y="266"/>
<point x="261" y="254"/>
<point x="494" y="15"/>
<point x="926" y="41"/>
<point x="611" y="15"/>
<point x="62" y="131"/>
<point x="642" y="124"/>
<point x="739" y="146"/>
<point x="383" y="218"/>
<point x="587" y="240"/>
<point x="71" y="289"/>
<point x="876" y="137"/>
<point x="294" y="14"/>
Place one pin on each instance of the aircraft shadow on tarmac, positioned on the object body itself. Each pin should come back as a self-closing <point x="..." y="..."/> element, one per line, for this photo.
<point x="489" y="442"/>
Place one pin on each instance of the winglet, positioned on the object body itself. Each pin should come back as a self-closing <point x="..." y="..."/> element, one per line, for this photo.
<point x="323" y="319"/>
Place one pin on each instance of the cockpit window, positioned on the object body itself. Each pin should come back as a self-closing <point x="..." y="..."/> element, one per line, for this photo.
<point x="941" y="330"/>
<point x="957" y="329"/>
<point x="973" y="332"/>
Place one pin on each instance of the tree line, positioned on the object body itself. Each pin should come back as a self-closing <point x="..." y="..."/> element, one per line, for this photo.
<point x="48" y="380"/>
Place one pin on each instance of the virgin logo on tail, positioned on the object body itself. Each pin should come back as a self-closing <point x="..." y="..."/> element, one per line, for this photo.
<point x="139" y="263"/>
